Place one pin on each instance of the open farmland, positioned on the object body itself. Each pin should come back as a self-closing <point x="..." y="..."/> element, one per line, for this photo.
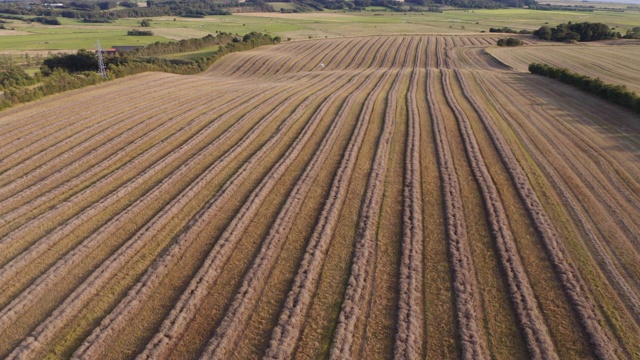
<point x="368" y="197"/>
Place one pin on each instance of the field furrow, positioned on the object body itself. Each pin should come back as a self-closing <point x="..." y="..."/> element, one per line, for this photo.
<point x="465" y="285"/>
<point x="30" y="124"/>
<point x="34" y="200"/>
<point x="569" y="276"/>
<point x="26" y="298"/>
<point x="45" y="244"/>
<point x="175" y="325"/>
<point x="229" y="331"/>
<point x="39" y="150"/>
<point x="605" y="260"/>
<point x="385" y="196"/>
<point x="194" y="230"/>
<point x="286" y="334"/>
<point x="410" y="332"/>
<point x="440" y="57"/>
<point x="226" y="335"/>
<point x="360" y="286"/>
<point x="535" y="331"/>
<point x="592" y="59"/>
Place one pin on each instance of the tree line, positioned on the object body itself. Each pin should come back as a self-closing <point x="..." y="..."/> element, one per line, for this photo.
<point x="62" y="72"/>
<point x="617" y="94"/>
<point x="106" y="11"/>
<point x="509" y="42"/>
<point x="508" y="30"/>
<point x="584" y="31"/>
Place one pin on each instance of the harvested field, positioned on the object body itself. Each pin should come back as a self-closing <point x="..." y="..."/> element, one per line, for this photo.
<point x="410" y="197"/>
<point x="613" y="63"/>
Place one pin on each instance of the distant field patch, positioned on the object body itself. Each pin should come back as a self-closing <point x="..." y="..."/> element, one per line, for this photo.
<point x="7" y="32"/>
<point x="283" y="5"/>
<point x="193" y="54"/>
<point x="74" y="34"/>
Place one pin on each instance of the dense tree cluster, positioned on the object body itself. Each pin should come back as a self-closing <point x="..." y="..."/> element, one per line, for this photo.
<point x="584" y="31"/>
<point x="105" y="11"/>
<point x="433" y="5"/>
<point x="186" y="45"/>
<point x="47" y="20"/>
<point x="83" y="60"/>
<point x="509" y="42"/>
<point x="129" y="4"/>
<point x="618" y="94"/>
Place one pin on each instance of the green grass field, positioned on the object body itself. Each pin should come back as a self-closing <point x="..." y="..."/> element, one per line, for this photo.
<point x="74" y="34"/>
<point x="208" y="51"/>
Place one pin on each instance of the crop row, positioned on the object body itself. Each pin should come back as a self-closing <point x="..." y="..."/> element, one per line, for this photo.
<point x="409" y="335"/>
<point x="110" y="266"/>
<point x="464" y="282"/>
<point x="237" y="315"/>
<point x="291" y="322"/>
<point x="601" y="249"/>
<point x="275" y="207"/>
<point x="539" y="343"/>
<point x="570" y="278"/>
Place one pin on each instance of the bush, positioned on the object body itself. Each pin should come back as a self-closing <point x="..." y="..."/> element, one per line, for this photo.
<point x="633" y="33"/>
<point x="503" y="30"/>
<point x="136" y="32"/>
<point x="14" y="76"/>
<point x="509" y="42"/>
<point x="47" y="20"/>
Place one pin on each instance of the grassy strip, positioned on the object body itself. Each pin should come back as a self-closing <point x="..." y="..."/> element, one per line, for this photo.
<point x="617" y="94"/>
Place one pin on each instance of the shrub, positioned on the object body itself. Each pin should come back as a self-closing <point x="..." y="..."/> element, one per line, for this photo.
<point x="136" y="32"/>
<point x="509" y="42"/>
